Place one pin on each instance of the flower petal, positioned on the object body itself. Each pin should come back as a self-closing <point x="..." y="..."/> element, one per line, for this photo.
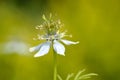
<point x="43" y="50"/>
<point x="32" y="49"/>
<point x="59" y="48"/>
<point x="67" y="42"/>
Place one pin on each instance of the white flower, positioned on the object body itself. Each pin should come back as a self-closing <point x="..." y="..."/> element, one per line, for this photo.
<point x="55" y="42"/>
<point x="53" y="38"/>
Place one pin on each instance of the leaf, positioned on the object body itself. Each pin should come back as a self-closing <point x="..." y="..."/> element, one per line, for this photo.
<point x="59" y="77"/>
<point x="69" y="76"/>
<point x="78" y="74"/>
<point x="86" y="76"/>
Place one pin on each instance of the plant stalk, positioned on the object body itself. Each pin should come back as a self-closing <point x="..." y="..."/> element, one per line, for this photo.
<point x="55" y="65"/>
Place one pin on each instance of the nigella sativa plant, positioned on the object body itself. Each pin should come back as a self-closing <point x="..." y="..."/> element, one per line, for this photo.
<point x="53" y="38"/>
<point x="51" y="32"/>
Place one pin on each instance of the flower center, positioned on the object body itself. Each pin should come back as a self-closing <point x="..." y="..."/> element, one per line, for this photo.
<point x="50" y="29"/>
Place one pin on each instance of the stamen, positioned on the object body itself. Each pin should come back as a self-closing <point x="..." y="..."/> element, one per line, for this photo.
<point x="34" y="39"/>
<point x="59" y="22"/>
<point x="39" y="27"/>
<point x="70" y="35"/>
<point x="36" y="27"/>
<point x="40" y="37"/>
<point x="51" y="29"/>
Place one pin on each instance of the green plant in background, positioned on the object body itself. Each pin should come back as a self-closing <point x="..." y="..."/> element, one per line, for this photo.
<point x="78" y="76"/>
<point x="52" y="33"/>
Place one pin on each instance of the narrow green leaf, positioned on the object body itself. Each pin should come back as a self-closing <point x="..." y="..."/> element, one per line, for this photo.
<point x="59" y="77"/>
<point x="69" y="76"/>
<point x="86" y="76"/>
<point x="78" y="74"/>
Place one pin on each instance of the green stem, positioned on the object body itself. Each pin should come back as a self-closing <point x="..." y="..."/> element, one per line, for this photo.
<point x="55" y="65"/>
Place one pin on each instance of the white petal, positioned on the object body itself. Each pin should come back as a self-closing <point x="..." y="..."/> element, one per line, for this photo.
<point x="44" y="49"/>
<point x="59" y="48"/>
<point x="67" y="42"/>
<point x="32" y="49"/>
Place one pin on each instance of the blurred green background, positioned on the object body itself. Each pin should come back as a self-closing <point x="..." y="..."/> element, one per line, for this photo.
<point x="95" y="23"/>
